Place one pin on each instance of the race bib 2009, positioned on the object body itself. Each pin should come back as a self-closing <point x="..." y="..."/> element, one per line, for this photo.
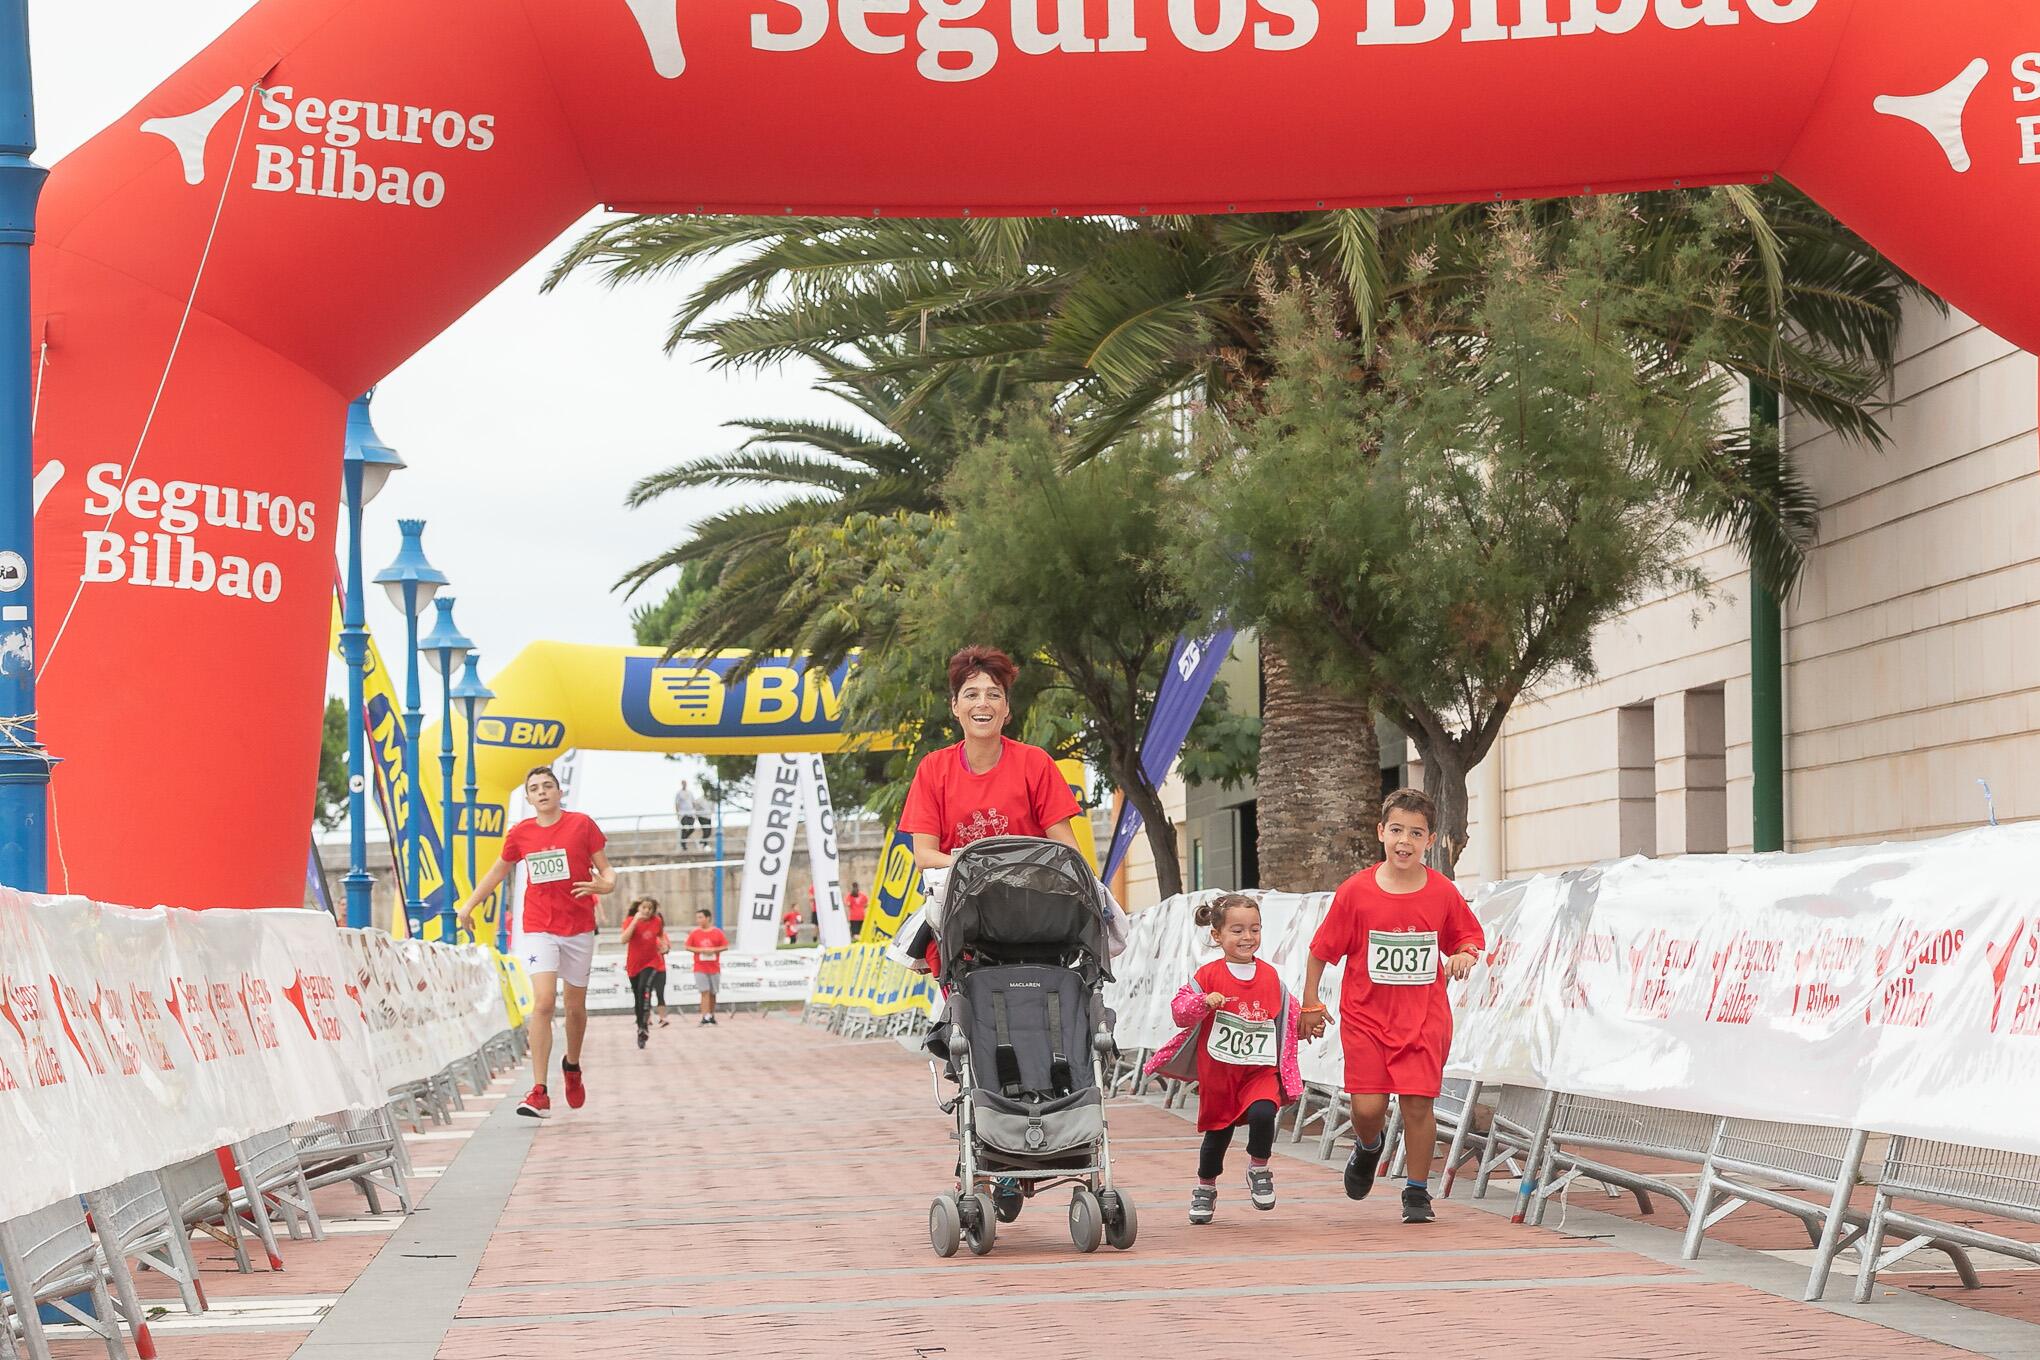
<point x="1399" y="959"/>
<point x="547" y="866"/>
<point x="1247" y="1043"/>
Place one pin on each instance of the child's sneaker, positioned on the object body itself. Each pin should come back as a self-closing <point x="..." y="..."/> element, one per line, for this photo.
<point x="1416" y="1205"/>
<point x="577" y="1094"/>
<point x="1360" y="1169"/>
<point x="642" y="1036"/>
<point x="537" y="1105"/>
<point x="1203" y="1204"/>
<point x="1261" y="1187"/>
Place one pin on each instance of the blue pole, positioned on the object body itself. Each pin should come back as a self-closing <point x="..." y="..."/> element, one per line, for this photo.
<point x="718" y="855"/>
<point x="354" y="648"/>
<point x="449" y="924"/>
<point x="414" y="796"/>
<point x="24" y="768"/>
<point x="471" y="811"/>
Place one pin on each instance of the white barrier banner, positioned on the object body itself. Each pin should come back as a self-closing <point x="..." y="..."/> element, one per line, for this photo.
<point x="425" y="1005"/>
<point x="782" y="975"/>
<point x="1894" y="988"/>
<point x="133" y="1039"/>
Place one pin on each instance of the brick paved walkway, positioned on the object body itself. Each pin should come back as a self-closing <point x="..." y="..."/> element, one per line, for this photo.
<point x="760" y="1189"/>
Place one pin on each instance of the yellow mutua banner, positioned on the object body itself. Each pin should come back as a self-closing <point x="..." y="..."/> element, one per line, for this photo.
<point x="862" y="977"/>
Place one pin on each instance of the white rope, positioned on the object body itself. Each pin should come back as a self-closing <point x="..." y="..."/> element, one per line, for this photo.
<point x="169" y="363"/>
<point x="42" y="363"/>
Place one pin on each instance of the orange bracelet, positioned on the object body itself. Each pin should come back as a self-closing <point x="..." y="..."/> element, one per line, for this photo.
<point x="1313" y="1010"/>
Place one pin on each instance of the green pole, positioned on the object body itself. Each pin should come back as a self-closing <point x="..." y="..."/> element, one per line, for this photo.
<point x="1767" y="681"/>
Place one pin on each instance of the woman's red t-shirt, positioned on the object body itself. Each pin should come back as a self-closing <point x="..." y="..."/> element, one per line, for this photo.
<point x="1023" y="794"/>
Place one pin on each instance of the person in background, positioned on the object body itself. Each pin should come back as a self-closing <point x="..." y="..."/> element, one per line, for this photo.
<point x="644" y="940"/>
<point x="856" y="905"/>
<point x="708" y="945"/>
<point x="688" y="812"/>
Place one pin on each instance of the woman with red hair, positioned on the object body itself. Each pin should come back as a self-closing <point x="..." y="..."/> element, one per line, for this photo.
<point x="987" y="784"/>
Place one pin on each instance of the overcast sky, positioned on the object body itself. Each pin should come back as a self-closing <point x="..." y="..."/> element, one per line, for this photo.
<point x="523" y="425"/>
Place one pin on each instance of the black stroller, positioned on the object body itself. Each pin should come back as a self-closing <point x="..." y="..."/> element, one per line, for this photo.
<point x="1023" y="955"/>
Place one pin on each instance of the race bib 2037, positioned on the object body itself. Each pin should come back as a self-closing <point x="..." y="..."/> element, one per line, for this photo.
<point x="1247" y="1043"/>
<point x="1402" y="959"/>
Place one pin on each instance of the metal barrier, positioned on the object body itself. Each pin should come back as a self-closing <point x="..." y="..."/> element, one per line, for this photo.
<point x="50" y="1257"/>
<point x="1615" y="1126"/>
<point x="2002" y="1184"/>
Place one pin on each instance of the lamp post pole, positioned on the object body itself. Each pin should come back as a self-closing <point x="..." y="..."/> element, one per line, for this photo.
<point x="474" y="698"/>
<point x="412" y="582"/>
<point x="368" y="463"/>
<point x="446" y="647"/>
<point x="24" y="768"/>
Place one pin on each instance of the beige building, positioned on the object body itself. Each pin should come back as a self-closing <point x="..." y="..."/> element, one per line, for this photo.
<point x="1911" y="659"/>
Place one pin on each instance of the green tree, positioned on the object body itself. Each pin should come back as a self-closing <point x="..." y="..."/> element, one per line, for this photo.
<point x="1444" y="522"/>
<point x="331" y="807"/>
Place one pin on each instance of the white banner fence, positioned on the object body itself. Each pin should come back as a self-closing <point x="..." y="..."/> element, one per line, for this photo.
<point x="133" y="1039"/>
<point x="747" y="979"/>
<point x="1894" y="988"/>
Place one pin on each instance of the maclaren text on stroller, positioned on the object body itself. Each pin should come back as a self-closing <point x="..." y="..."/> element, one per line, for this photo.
<point x="1024" y="945"/>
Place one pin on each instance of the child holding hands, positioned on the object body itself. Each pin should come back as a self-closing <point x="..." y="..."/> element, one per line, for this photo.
<point x="1239" y="1044"/>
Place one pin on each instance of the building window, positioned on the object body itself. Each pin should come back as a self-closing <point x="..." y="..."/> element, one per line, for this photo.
<point x="1636" y="780"/>
<point x="1249" y="831"/>
<point x="1706" y="778"/>
<point x="1197" y="865"/>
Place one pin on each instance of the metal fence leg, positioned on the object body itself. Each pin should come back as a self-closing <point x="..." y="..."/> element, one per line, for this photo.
<point x="1457" y="1148"/>
<point x="1533" y="1159"/>
<point x="1838" y="1212"/>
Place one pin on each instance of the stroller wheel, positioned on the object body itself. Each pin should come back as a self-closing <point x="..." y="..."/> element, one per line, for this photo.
<point x="980" y="1224"/>
<point x="1087" y="1220"/>
<point x="945" y="1225"/>
<point x="1121" y="1224"/>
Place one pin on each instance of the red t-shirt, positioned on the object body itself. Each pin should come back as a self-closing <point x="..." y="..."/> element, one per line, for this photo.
<point x="1023" y="794"/>
<point x="557" y="857"/>
<point x="711" y="938"/>
<point x="643" y="950"/>
<point x="1394" y="986"/>
<point x="1226" y="1089"/>
<point x="856" y="904"/>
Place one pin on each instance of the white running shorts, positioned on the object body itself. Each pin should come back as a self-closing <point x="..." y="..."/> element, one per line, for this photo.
<point x="571" y="956"/>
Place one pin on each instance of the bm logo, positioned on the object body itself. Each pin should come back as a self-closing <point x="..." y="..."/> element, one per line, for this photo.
<point x="523" y="734"/>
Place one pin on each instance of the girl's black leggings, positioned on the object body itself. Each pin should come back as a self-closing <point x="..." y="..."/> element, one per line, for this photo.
<point x="642" y="984"/>
<point x="1260" y="1122"/>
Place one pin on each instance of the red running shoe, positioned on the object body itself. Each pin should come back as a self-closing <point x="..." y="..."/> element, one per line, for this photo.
<point x="537" y="1105"/>
<point x="577" y="1094"/>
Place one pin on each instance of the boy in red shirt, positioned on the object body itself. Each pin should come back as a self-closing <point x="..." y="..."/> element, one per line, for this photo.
<point x="1402" y="929"/>
<point x="708" y="945"/>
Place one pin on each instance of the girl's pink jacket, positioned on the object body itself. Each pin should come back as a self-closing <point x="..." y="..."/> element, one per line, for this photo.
<point x="1178" y="1057"/>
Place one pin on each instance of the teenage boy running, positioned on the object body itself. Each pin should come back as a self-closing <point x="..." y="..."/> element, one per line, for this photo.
<point x="1403" y="929"/>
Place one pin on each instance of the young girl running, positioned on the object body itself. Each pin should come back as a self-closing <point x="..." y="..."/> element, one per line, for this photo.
<point x="1239" y="1044"/>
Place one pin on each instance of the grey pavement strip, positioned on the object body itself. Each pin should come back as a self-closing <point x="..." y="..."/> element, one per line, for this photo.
<point x="1902" y="1311"/>
<point x="402" y="1305"/>
<point x="995" y="1267"/>
<point x="1012" y="1298"/>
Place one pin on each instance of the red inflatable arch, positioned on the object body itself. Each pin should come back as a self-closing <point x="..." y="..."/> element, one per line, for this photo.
<point x="322" y="190"/>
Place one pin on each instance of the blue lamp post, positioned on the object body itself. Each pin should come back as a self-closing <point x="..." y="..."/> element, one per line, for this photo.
<point x="474" y="697"/>
<point x="369" y="463"/>
<point x="446" y="647"/>
<point x="412" y="582"/>
<point x="24" y="769"/>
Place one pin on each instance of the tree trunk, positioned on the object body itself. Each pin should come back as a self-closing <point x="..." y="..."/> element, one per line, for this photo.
<point x="1320" y="782"/>
<point x="1161" y="837"/>
<point x="1445" y="774"/>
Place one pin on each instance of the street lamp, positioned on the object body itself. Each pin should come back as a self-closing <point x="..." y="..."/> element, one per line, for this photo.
<point x="474" y="697"/>
<point x="369" y="463"/>
<point x="412" y="582"/>
<point x="446" y="647"/>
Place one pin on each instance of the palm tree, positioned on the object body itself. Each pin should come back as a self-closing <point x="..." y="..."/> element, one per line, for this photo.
<point x="1119" y="317"/>
<point x="818" y="472"/>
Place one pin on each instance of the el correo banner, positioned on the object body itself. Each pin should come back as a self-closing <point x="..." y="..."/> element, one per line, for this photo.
<point x="133" y="1039"/>
<point x="1894" y="988"/>
<point x="820" y="813"/>
<point x="768" y="850"/>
